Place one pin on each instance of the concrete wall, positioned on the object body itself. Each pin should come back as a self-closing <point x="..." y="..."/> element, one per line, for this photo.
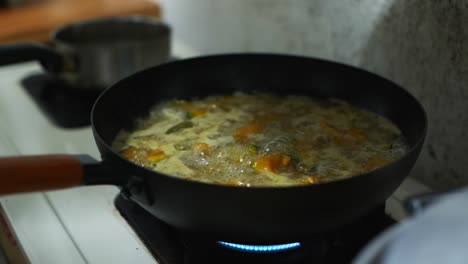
<point x="422" y="45"/>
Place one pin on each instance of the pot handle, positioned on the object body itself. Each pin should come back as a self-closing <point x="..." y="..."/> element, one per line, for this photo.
<point x="50" y="59"/>
<point x="49" y="172"/>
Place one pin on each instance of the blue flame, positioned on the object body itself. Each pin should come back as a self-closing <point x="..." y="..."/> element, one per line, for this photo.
<point x="260" y="248"/>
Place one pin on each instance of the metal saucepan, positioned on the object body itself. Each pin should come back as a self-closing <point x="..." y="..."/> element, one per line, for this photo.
<point x="96" y="53"/>
<point x="238" y="214"/>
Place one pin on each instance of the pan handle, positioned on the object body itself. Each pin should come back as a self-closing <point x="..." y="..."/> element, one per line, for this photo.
<point x="50" y="59"/>
<point x="50" y="172"/>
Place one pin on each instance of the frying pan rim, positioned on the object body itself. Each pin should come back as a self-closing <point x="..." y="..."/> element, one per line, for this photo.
<point x="419" y="142"/>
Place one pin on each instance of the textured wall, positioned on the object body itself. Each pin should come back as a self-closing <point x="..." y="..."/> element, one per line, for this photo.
<point x="323" y="28"/>
<point x="421" y="44"/>
<point x="424" y="46"/>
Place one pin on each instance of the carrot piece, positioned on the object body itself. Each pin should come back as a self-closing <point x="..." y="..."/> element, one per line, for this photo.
<point x="198" y="113"/>
<point x="156" y="155"/>
<point x="129" y="152"/>
<point x="191" y="108"/>
<point x="134" y="153"/>
<point x="343" y="136"/>
<point x="310" y="180"/>
<point x="374" y="163"/>
<point x="244" y="132"/>
<point x="236" y="183"/>
<point x="357" y="133"/>
<point x="232" y="183"/>
<point x="202" y="148"/>
<point x="272" y="163"/>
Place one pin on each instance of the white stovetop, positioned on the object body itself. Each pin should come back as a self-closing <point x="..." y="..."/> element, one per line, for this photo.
<point x="77" y="225"/>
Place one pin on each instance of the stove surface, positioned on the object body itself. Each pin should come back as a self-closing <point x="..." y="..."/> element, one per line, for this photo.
<point x="169" y="246"/>
<point x="65" y="105"/>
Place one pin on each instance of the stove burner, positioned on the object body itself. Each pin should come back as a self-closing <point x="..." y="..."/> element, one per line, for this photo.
<point x="65" y="105"/>
<point x="260" y="248"/>
<point x="170" y="246"/>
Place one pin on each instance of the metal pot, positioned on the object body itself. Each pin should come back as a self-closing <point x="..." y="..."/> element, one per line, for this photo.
<point x="94" y="54"/>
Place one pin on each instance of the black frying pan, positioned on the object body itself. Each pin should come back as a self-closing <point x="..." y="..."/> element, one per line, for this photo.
<point x="237" y="214"/>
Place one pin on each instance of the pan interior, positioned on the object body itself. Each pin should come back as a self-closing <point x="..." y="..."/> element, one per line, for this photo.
<point x="132" y="98"/>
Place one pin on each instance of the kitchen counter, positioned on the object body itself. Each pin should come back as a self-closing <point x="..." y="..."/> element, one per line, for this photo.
<point x="35" y="21"/>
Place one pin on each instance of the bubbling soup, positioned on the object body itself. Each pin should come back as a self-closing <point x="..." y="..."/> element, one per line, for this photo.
<point x="261" y="140"/>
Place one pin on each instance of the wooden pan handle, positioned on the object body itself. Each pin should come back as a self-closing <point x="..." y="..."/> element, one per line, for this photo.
<point x="39" y="173"/>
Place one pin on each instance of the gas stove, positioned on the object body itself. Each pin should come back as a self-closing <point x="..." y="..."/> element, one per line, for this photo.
<point x="95" y="224"/>
<point x="170" y="246"/>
